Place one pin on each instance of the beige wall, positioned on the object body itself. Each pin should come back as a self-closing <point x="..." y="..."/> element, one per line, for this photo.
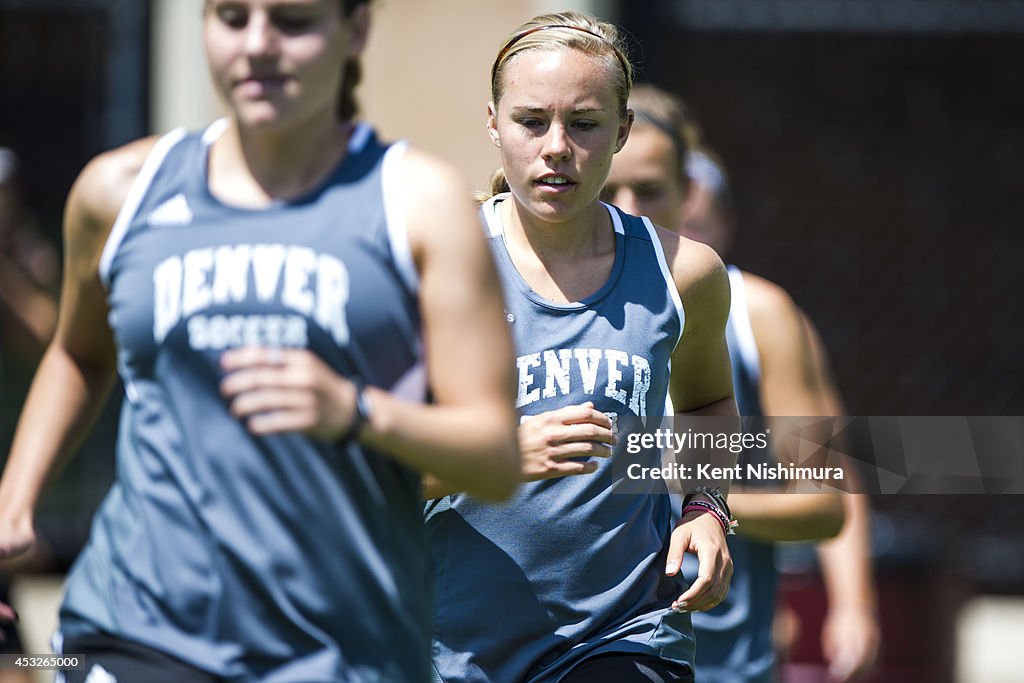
<point x="426" y="75"/>
<point x="425" y="71"/>
<point x="180" y="93"/>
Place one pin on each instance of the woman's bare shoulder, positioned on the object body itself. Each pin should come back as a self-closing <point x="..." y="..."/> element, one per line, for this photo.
<point x="693" y="264"/>
<point x="96" y="198"/>
<point x="104" y="183"/>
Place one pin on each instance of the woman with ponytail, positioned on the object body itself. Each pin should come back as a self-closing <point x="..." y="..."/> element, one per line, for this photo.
<point x="577" y="578"/>
<point x="276" y="302"/>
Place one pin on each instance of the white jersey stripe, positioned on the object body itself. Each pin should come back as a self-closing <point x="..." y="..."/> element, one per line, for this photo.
<point x="215" y="130"/>
<point x="359" y="137"/>
<point x="666" y="272"/>
<point x="739" y="322"/>
<point x="490" y="210"/>
<point x="616" y="219"/>
<point x="395" y="214"/>
<point x="135" y="195"/>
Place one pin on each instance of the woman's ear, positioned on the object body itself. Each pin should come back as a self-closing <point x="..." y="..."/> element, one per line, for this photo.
<point x="492" y="125"/>
<point x="624" y="128"/>
<point x="359" y="28"/>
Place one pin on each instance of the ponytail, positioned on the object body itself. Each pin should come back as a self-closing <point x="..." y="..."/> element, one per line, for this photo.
<point x="348" y="107"/>
<point x="352" y="74"/>
<point x="498" y="185"/>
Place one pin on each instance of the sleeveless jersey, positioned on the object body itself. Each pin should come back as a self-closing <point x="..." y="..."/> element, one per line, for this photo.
<point x="278" y="558"/>
<point x="734" y="639"/>
<point x="569" y="568"/>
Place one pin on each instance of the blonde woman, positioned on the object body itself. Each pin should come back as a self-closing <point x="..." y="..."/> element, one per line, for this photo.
<point x="571" y="580"/>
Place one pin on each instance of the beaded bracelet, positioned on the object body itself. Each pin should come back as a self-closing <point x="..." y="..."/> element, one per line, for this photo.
<point x="728" y="525"/>
<point x="708" y="509"/>
<point x="714" y="495"/>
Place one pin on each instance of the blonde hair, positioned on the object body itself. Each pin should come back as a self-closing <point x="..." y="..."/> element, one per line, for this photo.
<point x="572" y="30"/>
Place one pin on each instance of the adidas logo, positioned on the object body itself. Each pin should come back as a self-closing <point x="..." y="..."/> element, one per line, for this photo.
<point x="175" y="211"/>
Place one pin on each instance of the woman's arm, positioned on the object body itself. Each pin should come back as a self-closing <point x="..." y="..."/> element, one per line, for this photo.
<point x="770" y="517"/>
<point x="790" y="387"/>
<point x="701" y="384"/>
<point x="78" y="367"/>
<point x="850" y="635"/>
<point x="467" y="436"/>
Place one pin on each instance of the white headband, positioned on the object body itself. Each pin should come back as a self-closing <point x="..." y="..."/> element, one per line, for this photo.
<point x="703" y="171"/>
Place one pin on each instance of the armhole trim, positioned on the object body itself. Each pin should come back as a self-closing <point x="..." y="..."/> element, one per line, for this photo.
<point x="740" y="331"/>
<point x="616" y="218"/>
<point x="395" y="214"/>
<point x="136" y="194"/>
<point x="666" y="272"/>
<point x="361" y="134"/>
<point x="492" y="219"/>
<point x="215" y="130"/>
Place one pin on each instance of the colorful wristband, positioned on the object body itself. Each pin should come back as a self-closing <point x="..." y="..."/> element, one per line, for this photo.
<point x="728" y="525"/>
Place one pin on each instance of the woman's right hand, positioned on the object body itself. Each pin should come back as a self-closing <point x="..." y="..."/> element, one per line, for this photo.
<point x="548" y="441"/>
<point x="16" y="538"/>
<point x="17" y="535"/>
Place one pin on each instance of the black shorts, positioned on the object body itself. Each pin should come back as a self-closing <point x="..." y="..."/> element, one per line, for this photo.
<point x="115" y="660"/>
<point x="625" y="667"/>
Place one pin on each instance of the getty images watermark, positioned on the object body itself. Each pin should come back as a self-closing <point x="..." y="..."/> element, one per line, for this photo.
<point x="877" y="455"/>
<point x="763" y="469"/>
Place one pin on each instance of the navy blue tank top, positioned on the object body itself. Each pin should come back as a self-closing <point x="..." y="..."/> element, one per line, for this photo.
<point x="569" y="568"/>
<point x="280" y="558"/>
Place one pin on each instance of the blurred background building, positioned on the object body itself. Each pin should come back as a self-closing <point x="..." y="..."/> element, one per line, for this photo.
<point x="875" y="149"/>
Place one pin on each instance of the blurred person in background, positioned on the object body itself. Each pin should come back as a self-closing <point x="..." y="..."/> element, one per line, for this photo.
<point x="779" y="368"/>
<point x="850" y="638"/>
<point x="277" y="293"/>
<point x="29" y="270"/>
<point x="574" y="580"/>
<point x="28" y="314"/>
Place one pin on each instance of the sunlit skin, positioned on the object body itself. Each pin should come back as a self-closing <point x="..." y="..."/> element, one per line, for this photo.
<point x="280" y="62"/>
<point x="645" y="178"/>
<point x="558" y="117"/>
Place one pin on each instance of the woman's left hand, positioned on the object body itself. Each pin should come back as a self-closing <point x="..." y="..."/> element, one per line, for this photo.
<point x="702" y="535"/>
<point x="287" y="390"/>
<point x="850" y="641"/>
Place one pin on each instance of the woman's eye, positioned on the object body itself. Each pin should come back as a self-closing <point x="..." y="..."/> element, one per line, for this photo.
<point x="290" y="23"/>
<point x="649" y="192"/>
<point x="233" y="17"/>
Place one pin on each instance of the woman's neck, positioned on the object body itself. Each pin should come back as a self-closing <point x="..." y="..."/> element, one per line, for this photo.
<point x="564" y="261"/>
<point x="586" y="235"/>
<point x="253" y="168"/>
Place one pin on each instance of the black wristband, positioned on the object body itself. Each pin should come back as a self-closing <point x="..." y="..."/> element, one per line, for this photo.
<point x="361" y="414"/>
